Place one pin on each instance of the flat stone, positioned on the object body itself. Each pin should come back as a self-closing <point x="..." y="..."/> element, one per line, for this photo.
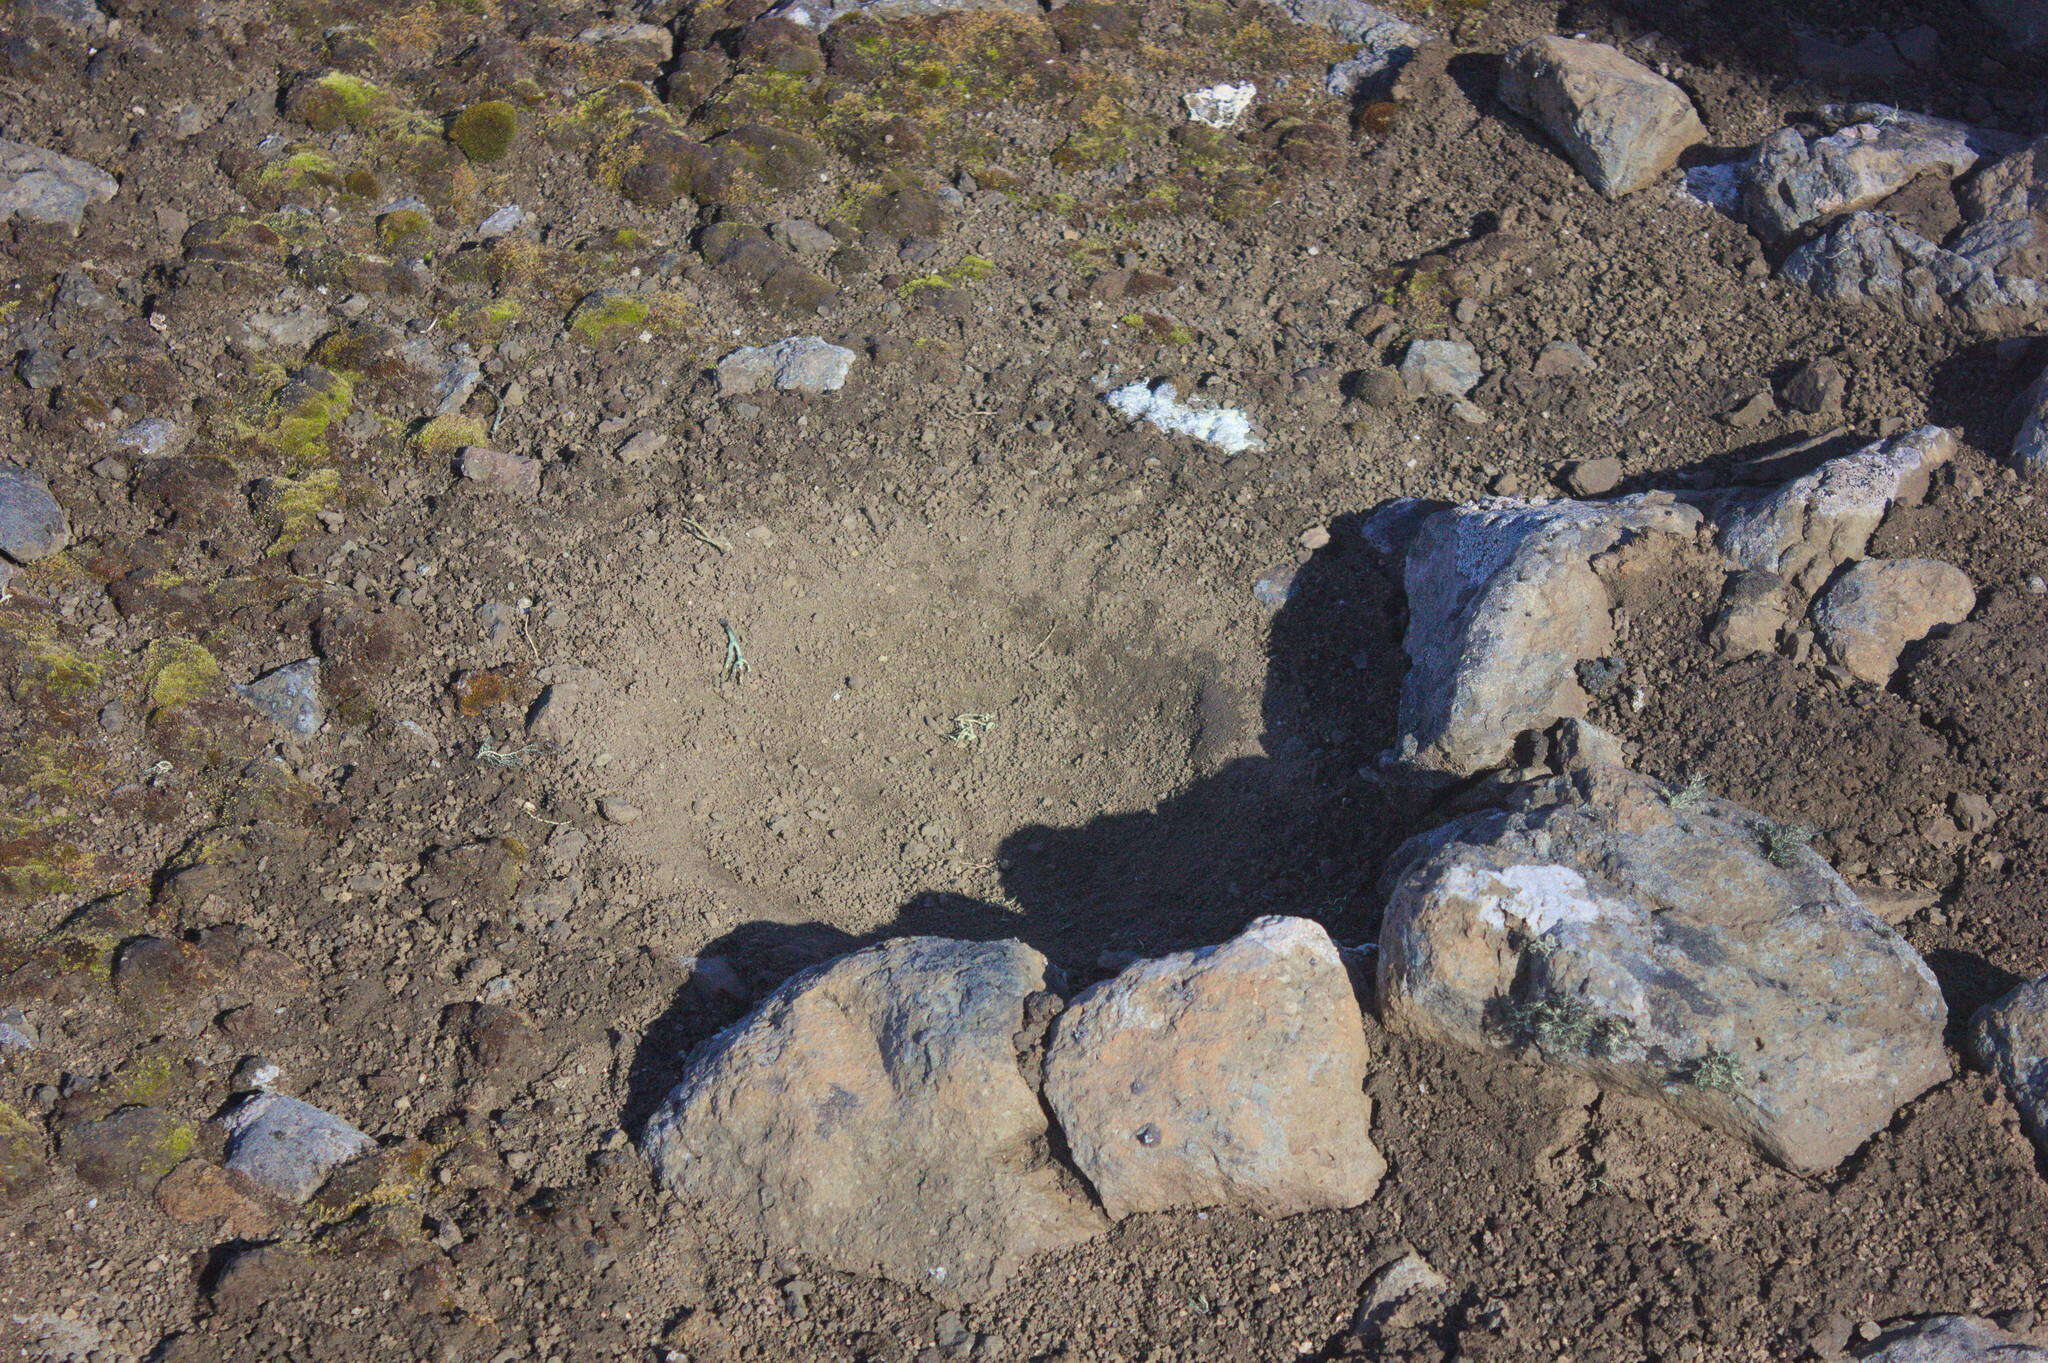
<point x="32" y="525"/>
<point x="1867" y="616"/>
<point x="288" y="1147"/>
<point x="1229" y="1076"/>
<point x="1867" y="153"/>
<point x="517" y="474"/>
<point x="289" y="696"/>
<point x="1622" y="124"/>
<point x="799" y="364"/>
<point x="1676" y="947"/>
<point x="1444" y="368"/>
<point x="38" y="185"/>
<point x="873" y="1114"/>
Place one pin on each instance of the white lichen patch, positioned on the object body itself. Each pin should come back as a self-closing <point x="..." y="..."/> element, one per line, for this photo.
<point x="1220" y="106"/>
<point x="1535" y="898"/>
<point x="1227" y="428"/>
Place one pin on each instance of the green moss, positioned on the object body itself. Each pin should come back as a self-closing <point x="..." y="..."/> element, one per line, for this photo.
<point x="485" y="131"/>
<point x="606" y="316"/>
<point x="177" y="672"/>
<point x="404" y="229"/>
<point x="302" y="170"/>
<point x="296" y="420"/>
<point x="447" y="434"/>
<point x="970" y="269"/>
<point x="294" y="505"/>
<point x="1164" y="330"/>
<point x="339" y="100"/>
<point x="484" y="323"/>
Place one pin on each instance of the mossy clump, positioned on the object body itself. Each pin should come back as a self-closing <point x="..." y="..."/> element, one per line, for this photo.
<point x="485" y="131"/>
<point x="484" y="323"/>
<point x="21" y="1153"/>
<point x="338" y="101"/>
<point x="443" y="435"/>
<point x="299" y="415"/>
<point x="293" y="505"/>
<point x="611" y="316"/>
<point x="177" y="672"/>
<point x="1563" y="1025"/>
<point x="405" y="229"/>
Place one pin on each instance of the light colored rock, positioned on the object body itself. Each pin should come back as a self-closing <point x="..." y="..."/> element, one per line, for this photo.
<point x="1676" y="947"/>
<point x="517" y="474"/>
<point x="17" y="1033"/>
<point x="1503" y="604"/>
<point x="1804" y="529"/>
<point x="1873" y="609"/>
<point x="1227" y="428"/>
<point x="1755" y="609"/>
<point x="1622" y="124"/>
<point x="2010" y="1038"/>
<point x="2030" y="446"/>
<point x="289" y="696"/>
<point x="2008" y="188"/>
<point x="819" y="15"/>
<point x="801" y="364"/>
<point x="288" y="1146"/>
<point x="1229" y="1076"/>
<point x="1443" y="368"/>
<point x="1868" y="259"/>
<point x="1951" y="1339"/>
<point x="1386" y="43"/>
<point x="1405" y="1293"/>
<point x="32" y="525"/>
<point x="873" y="1114"/>
<point x="38" y="185"/>
<point x="1869" y="152"/>
<point x="1220" y="106"/>
<point x="651" y="39"/>
<point x="1355" y="21"/>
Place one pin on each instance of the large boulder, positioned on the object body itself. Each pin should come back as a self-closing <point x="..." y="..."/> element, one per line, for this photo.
<point x="2010" y="1038"/>
<point x="1873" y="609"/>
<point x="874" y="1114"/>
<point x="1622" y="124"/>
<point x="1504" y="601"/>
<point x="1950" y="1339"/>
<point x="2030" y="446"/>
<point x="1804" y="529"/>
<point x="41" y="186"/>
<point x="1668" y="944"/>
<point x="1228" y="1076"/>
<point x="1869" y="259"/>
<point x="1867" y="153"/>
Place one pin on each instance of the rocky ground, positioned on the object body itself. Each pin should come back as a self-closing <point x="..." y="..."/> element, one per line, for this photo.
<point x="1223" y="679"/>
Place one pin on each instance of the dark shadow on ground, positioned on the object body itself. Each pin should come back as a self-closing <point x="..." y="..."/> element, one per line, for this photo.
<point x="1298" y="827"/>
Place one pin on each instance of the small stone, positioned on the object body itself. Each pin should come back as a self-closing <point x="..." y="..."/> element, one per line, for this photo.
<point x="1973" y="812"/>
<point x="641" y="446"/>
<point x="38" y="185"/>
<point x="1559" y="358"/>
<point x="32" y="525"/>
<point x="289" y="696"/>
<point x="800" y="364"/>
<point x="1759" y="408"/>
<point x="1381" y="387"/>
<point x="1220" y="106"/>
<point x="1315" y="537"/>
<point x="1444" y="368"/>
<point x="1406" y="1293"/>
<point x="618" y="811"/>
<point x="199" y="1191"/>
<point x="1621" y="123"/>
<point x="503" y="222"/>
<point x="1593" y="477"/>
<point x="16" y="1032"/>
<point x="289" y="1147"/>
<point x="516" y="474"/>
<point x="1816" y="387"/>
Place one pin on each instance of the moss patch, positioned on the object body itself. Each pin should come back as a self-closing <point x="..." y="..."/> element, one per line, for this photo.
<point x="447" y="434"/>
<point x="485" y="131"/>
<point x="177" y="672"/>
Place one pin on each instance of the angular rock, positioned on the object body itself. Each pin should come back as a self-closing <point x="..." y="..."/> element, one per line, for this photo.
<point x="38" y="185"/>
<point x="1868" y="614"/>
<point x="1503" y="604"/>
<point x="17" y="1033"/>
<point x="517" y="474"/>
<point x="1386" y="43"/>
<point x="1445" y="368"/>
<point x="1816" y="387"/>
<point x="288" y="1147"/>
<point x="873" y="1113"/>
<point x="1755" y="610"/>
<point x="289" y="696"/>
<point x="1405" y="1293"/>
<point x="1158" y="404"/>
<point x="1805" y="529"/>
<point x="1622" y="124"/>
<point x="1668" y="944"/>
<point x="1870" y="260"/>
<point x="799" y="364"/>
<point x="1951" y="1339"/>
<point x="32" y="525"/>
<point x="1869" y="152"/>
<point x="129" y="1149"/>
<point x="2010" y="1038"/>
<point x="2030" y="446"/>
<point x="1229" y="1076"/>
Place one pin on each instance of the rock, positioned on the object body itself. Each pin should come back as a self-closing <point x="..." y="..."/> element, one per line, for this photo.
<point x="618" y="811"/>
<point x="1159" y="404"/>
<point x="517" y="474"/>
<point x="17" y="1033"/>
<point x="288" y="1147"/>
<point x="1558" y="358"/>
<point x="2025" y="22"/>
<point x="1869" y="152"/>
<point x="1668" y="944"/>
<point x="1220" y="106"/>
<point x="32" y="525"/>
<point x="1382" y="387"/>
<point x="289" y="696"/>
<point x="1229" y="1076"/>
<point x="503" y="222"/>
<point x="1403" y="1294"/>
<point x="81" y="17"/>
<point x="1443" y="368"/>
<point x="1386" y="43"/>
<point x="1752" y="413"/>
<point x="1355" y="21"/>
<point x="1755" y="610"/>
<point x="1805" y="529"/>
<point x="129" y="1149"/>
<point x="2030" y="446"/>
<point x="38" y="185"/>
<point x="1869" y="259"/>
<point x="873" y="1114"/>
<point x="819" y="15"/>
<point x="1951" y="1339"/>
<point x="641" y="446"/>
<point x="198" y="1191"/>
<point x="1503" y="603"/>
<point x="2010" y="1039"/>
<point x="800" y="364"/>
<point x="1816" y="388"/>
<point x="288" y="329"/>
<point x="1622" y="124"/>
<point x="1593" y="477"/>
<point x="1868" y="614"/>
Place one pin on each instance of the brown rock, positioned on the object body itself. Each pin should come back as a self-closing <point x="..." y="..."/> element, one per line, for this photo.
<point x="1622" y="124"/>
<point x="1868" y="615"/>
<point x="201" y="1191"/>
<point x="513" y="473"/>
<point x="1229" y="1076"/>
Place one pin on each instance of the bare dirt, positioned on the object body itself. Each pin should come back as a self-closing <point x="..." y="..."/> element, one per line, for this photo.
<point x="1005" y="673"/>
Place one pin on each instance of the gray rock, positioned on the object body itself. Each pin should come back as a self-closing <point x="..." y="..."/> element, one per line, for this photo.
<point x="289" y="696"/>
<point x="2008" y="188"/>
<point x="1503" y="604"/>
<point x="2030" y="446"/>
<point x="1674" y="946"/>
<point x="502" y="222"/>
<point x="288" y="1146"/>
<point x="804" y="237"/>
<point x="1873" y="609"/>
<point x="17" y="1033"/>
<point x="79" y="16"/>
<point x="872" y="1113"/>
<point x="38" y="185"/>
<point x="1445" y="368"/>
<point x="517" y="474"/>
<point x="819" y="15"/>
<point x="153" y="438"/>
<point x="1593" y="477"/>
<point x="1622" y="124"/>
<point x="1817" y="388"/>
<point x="292" y="329"/>
<point x="1386" y="43"/>
<point x="1229" y="1076"/>
<point x="2010" y="1038"/>
<point x="1756" y="608"/>
<point x="1355" y="21"/>
<point x="802" y="364"/>
<point x="1403" y="1294"/>
<point x="1870" y="260"/>
<point x="1867" y="153"/>
<point x="1951" y="1339"/>
<point x="1804" y="529"/>
<point x="456" y="383"/>
<point x="1558" y="358"/>
<point x="2025" y="22"/>
<point x="651" y="40"/>
<point x="32" y="525"/>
